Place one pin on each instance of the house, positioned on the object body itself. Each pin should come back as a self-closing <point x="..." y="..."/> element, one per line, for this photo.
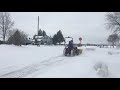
<point x="46" y="40"/>
<point x="38" y="40"/>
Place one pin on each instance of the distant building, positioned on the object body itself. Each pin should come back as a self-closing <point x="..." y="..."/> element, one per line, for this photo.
<point x="47" y="40"/>
<point x="42" y="40"/>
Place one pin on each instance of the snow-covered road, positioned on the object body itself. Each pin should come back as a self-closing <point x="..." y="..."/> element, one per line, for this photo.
<point x="48" y="62"/>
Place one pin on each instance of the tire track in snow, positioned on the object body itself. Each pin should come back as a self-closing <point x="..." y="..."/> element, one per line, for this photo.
<point x="12" y="68"/>
<point x="33" y="68"/>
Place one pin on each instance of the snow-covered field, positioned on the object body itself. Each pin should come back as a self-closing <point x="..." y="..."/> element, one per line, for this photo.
<point x="49" y="62"/>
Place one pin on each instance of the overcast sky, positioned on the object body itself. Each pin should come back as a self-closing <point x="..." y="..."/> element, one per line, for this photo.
<point x="88" y="25"/>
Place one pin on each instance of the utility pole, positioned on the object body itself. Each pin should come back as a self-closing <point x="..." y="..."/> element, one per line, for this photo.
<point x="38" y="42"/>
<point x="38" y="24"/>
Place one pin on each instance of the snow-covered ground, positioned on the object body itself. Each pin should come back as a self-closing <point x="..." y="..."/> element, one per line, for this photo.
<point x="49" y="62"/>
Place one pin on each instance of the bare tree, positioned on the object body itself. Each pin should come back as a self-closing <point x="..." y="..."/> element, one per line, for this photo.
<point x="113" y="21"/>
<point x="112" y="39"/>
<point x="5" y="24"/>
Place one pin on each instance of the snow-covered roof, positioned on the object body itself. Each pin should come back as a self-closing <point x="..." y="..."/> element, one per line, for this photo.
<point x="39" y="37"/>
<point x="62" y="43"/>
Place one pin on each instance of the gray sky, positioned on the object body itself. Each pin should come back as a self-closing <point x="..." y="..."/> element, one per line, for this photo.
<point x="88" y="25"/>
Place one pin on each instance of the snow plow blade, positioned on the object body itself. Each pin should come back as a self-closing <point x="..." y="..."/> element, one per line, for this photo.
<point x="80" y="51"/>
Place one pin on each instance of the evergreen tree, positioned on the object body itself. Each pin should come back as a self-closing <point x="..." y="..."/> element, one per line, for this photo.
<point x="40" y="33"/>
<point x="54" y="39"/>
<point x="18" y="38"/>
<point x="44" y="33"/>
<point x="60" y="37"/>
<point x="15" y="39"/>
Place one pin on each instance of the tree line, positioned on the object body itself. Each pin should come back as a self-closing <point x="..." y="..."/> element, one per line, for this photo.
<point x="57" y="38"/>
<point x="18" y="37"/>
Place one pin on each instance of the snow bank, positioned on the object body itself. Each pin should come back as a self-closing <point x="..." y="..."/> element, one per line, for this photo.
<point x="113" y="52"/>
<point x="90" y="49"/>
<point x="102" y="69"/>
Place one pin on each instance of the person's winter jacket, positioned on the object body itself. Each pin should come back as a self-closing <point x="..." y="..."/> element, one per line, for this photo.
<point x="70" y="45"/>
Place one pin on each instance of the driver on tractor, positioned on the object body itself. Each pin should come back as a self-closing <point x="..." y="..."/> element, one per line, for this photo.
<point x="70" y="46"/>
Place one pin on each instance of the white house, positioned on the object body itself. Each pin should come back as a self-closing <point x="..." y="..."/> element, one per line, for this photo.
<point x="47" y="40"/>
<point x="42" y="40"/>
